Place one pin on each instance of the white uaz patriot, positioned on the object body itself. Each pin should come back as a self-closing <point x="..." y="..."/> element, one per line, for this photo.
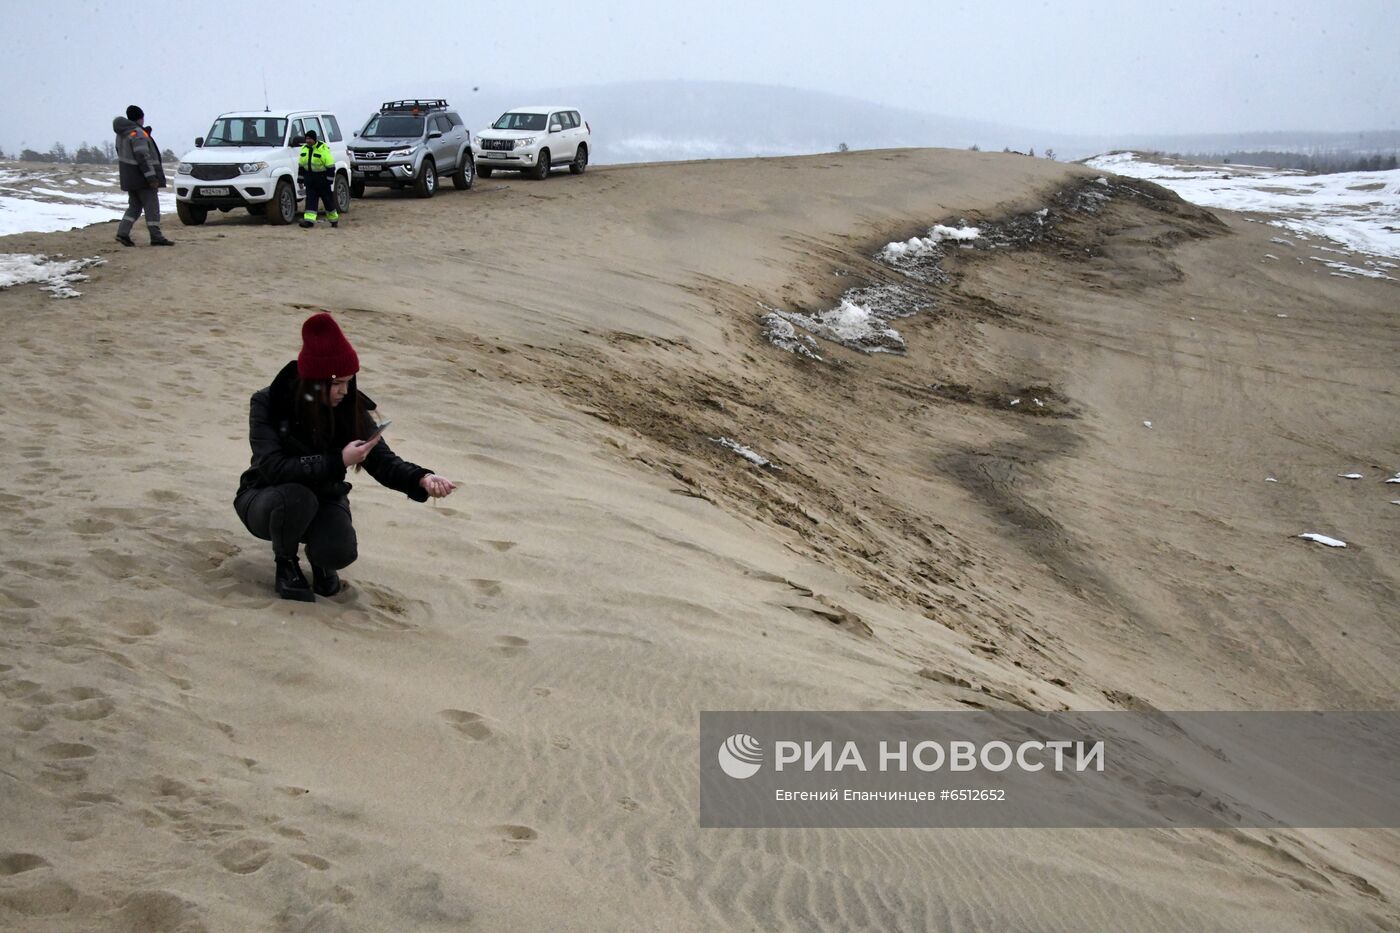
<point x="249" y="160"/>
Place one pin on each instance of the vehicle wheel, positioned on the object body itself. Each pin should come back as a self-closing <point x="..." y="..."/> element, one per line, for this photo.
<point x="357" y="189"/>
<point x="190" y="215"/>
<point x="580" y="163"/>
<point x="257" y="210"/>
<point x="465" y="176"/>
<point x="282" y="209"/>
<point x="342" y="194"/>
<point x="484" y="171"/>
<point x="426" y="184"/>
<point x="542" y="167"/>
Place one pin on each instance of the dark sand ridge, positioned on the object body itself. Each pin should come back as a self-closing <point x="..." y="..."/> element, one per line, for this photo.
<point x="497" y="725"/>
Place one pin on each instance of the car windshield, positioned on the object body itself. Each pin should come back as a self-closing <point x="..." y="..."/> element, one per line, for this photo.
<point x="519" y="121"/>
<point x="246" y="131"/>
<point x="396" y="126"/>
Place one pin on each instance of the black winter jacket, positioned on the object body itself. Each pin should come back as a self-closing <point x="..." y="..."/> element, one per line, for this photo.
<point x="282" y="454"/>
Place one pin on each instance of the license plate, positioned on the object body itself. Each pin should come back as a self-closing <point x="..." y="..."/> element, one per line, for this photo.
<point x="494" y="155"/>
<point x="214" y="192"/>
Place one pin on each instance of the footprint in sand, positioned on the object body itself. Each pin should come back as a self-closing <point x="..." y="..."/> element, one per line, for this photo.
<point x="510" y="645"/>
<point x="16" y="863"/>
<point x="84" y="704"/>
<point x="470" y="724"/>
<point x="501" y="546"/>
<point x="487" y="587"/>
<point x="244" y="856"/>
<point x="91" y="526"/>
<point x="67" y="751"/>
<point x="311" y="861"/>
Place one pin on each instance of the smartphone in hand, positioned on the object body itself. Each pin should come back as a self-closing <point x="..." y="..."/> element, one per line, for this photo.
<point x="378" y="430"/>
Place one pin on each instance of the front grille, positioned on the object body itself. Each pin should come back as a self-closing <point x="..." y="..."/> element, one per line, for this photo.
<point x="505" y="145"/>
<point x="367" y="155"/>
<point x="215" y="172"/>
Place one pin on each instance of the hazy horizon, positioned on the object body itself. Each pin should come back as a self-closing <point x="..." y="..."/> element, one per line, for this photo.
<point x="1083" y="68"/>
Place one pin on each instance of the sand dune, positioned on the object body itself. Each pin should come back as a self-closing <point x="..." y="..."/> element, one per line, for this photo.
<point x="495" y="728"/>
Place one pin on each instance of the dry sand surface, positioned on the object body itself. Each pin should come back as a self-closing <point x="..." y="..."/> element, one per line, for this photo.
<point x="495" y="727"/>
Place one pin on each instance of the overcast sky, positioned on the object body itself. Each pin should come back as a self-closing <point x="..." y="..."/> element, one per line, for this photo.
<point x="1072" y="66"/>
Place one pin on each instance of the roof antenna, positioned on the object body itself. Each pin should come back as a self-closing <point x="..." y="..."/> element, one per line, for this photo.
<point x="266" y="108"/>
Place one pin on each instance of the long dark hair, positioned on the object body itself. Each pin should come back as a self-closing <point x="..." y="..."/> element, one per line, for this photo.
<point x="325" y="427"/>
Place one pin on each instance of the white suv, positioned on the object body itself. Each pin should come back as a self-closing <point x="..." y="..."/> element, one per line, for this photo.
<point x="533" y="140"/>
<point x="249" y="159"/>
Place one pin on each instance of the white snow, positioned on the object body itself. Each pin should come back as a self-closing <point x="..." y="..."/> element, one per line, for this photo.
<point x="850" y="323"/>
<point x="1323" y="539"/>
<point x="1394" y="479"/>
<point x="1270" y="479"/>
<point x="23" y="215"/>
<point x="922" y="246"/>
<point x="1147" y="424"/>
<point x="1336" y="206"/>
<point x="746" y="452"/>
<point x="54" y="276"/>
<point x="1351" y="476"/>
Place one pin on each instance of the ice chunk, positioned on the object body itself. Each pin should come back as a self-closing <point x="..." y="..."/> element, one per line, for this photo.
<point x="1323" y="539"/>
<point x="746" y="452"/>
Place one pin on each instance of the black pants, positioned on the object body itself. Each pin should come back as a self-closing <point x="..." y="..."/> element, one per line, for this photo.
<point x="320" y="191"/>
<point x="291" y="513"/>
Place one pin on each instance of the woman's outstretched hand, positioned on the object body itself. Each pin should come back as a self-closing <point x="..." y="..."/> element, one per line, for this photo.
<point x="437" y="486"/>
<point x="355" y="452"/>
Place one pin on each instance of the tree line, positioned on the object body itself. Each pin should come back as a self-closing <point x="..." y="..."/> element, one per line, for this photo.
<point x="1314" y="163"/>
<point x="104" y="154"/>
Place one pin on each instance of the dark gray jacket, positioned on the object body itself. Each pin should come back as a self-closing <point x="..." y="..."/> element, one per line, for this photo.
<point x="137" y="156"/>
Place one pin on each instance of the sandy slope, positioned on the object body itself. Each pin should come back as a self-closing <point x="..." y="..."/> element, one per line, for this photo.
<point x="495" y="729"/>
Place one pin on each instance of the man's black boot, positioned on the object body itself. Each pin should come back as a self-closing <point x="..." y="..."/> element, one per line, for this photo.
<point x="125" y="240"/>
<point x="291" y="582"/>
<point x="161" y="241"/>
<point x="324" y="582"/>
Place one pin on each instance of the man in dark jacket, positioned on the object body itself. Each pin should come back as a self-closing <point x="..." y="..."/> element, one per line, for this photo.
<point x="142" y="176"/>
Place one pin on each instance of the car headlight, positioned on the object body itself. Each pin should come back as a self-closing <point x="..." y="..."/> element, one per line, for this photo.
<point x="401" y="153"/>
<point x="184" y="168"/>
<point x="525" y="143"/>
<point x="252" y="168"/>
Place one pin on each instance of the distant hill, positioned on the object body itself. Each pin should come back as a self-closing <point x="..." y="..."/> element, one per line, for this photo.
<point x="651" y="121"/>
<point x="643" y="121"/>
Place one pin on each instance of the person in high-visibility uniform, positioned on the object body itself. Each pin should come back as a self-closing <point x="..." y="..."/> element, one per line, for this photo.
<point x="316" y="168"/>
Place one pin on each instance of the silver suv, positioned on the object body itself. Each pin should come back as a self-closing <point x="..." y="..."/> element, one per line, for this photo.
<point x="412" y="142"/>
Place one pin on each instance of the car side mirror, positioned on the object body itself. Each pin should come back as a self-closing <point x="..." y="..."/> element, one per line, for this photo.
<point x="199" y="142"/>
<point x="554" y="128"/>
<point x="435" y="134"/>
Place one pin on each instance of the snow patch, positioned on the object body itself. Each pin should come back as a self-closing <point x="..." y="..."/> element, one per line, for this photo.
<point x="747" y="453"/>
<point x="54" y="276"/>
<point x="1323" y="539"/>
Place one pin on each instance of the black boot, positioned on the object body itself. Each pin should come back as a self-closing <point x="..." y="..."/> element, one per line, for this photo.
<point x="291" y="582"/>
<point x="324" y="582"/>
<point x="125" y="240"/>
<point x="160" y="240"/>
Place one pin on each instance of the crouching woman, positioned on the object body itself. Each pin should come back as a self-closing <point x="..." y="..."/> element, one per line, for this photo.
<point x="308" y="429"/>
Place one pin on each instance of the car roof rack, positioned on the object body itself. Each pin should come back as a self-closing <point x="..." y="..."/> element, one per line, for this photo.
<point x="421" y="106"/>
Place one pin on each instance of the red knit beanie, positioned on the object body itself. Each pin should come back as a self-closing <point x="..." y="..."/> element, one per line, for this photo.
<point x="325" y="353"/>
